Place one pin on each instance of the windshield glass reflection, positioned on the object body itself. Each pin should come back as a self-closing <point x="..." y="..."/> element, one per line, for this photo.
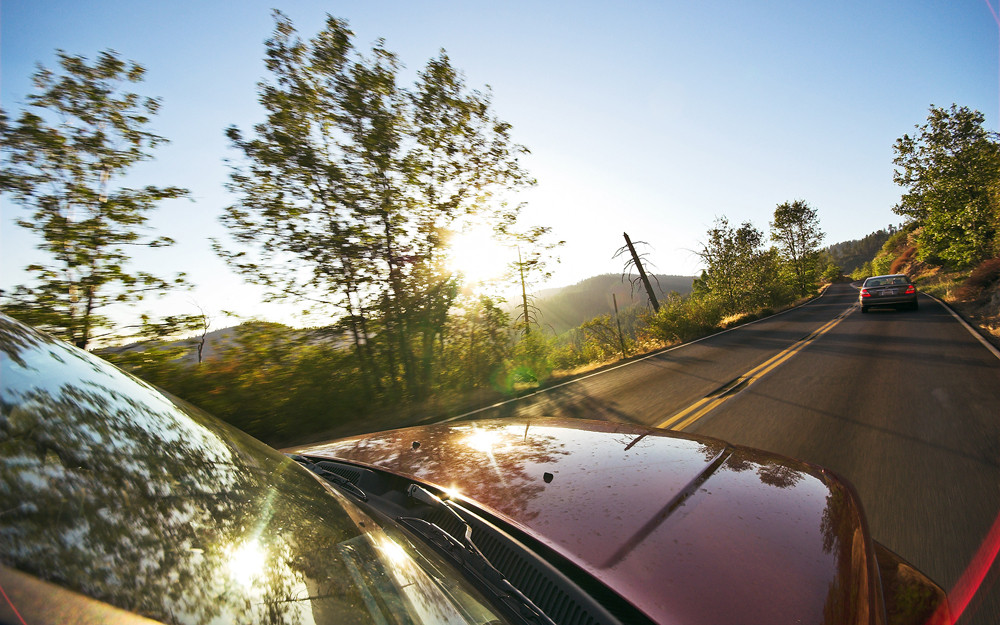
<point x="110" y="489"/>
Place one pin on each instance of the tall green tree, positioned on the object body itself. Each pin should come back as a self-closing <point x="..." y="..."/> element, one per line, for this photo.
<point x="63" y="159"/>
<point x="475" y="344"/>
<point x="740" y="273"/>
<point x="947" y="169"/>
<point x="796" y="232"/>
<point x="348" y="190"/>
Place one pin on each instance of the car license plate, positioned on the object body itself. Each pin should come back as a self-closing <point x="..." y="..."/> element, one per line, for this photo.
<point x="889" y="292"/>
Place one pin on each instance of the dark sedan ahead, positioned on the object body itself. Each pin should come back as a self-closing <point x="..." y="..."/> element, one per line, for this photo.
<point x="895" y="290"/>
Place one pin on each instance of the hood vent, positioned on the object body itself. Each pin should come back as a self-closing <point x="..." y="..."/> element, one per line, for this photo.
<point x="562" y="600"/>
<point x="352" y="474"/>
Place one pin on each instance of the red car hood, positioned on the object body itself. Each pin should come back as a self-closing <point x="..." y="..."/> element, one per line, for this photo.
<point x="689" y="530"/>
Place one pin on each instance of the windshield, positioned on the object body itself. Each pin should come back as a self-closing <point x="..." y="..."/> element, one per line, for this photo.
<point x="111" y="489"/>
<point x="888" y="281"/>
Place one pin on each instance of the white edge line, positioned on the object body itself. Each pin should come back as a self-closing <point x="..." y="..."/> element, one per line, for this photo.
<point x="631" y="362"/>
<point x="965" y="324"/>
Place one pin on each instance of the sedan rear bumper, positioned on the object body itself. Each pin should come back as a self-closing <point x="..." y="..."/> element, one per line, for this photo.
<point x="873" y="302"/>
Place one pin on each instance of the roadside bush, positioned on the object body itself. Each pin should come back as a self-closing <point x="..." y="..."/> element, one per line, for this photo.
<point x="685" y="319"/>
<point x="891" y="250"/>
<point x="530" y="362"/>
<point x="567" y="356"/>
<point x="882" y="263"/>
<point x="602" y="337"/>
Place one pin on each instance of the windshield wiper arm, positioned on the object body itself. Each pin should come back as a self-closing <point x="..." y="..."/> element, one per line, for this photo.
<point x="330" y="476"/>
<point x="465" y="552"/>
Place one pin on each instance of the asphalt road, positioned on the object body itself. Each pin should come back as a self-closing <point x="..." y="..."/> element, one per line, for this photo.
<point x="905" y="405"/>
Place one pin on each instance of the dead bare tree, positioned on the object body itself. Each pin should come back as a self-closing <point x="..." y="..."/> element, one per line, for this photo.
<point x="635" y="261"/>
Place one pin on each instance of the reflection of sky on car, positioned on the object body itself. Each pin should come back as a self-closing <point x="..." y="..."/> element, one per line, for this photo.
<point x="92" y="383"/>
<point x="111" y="490"/>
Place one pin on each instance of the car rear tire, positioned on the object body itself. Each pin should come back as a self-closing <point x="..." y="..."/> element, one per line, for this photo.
<point x="864" y="309"/>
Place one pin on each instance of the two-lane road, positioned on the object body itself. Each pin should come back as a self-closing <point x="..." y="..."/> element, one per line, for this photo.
<point x="905" y="405"/>
<point x="651" y="390"/>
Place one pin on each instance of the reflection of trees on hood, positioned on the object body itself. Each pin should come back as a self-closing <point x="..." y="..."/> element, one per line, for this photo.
<point x="771" y="471"/>
<point x="109" y="489"/>
<point x="498" y="453"/>
<point x="841" y="527"/>
<point x="780" y="475"/>
<point x="710" y="449"/>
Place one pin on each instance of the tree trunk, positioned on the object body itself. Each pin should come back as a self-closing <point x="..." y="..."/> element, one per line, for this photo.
<point x="642" y="274"/>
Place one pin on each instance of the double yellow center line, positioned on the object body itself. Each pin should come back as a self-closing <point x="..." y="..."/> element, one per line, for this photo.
<point x="710" y="402"/>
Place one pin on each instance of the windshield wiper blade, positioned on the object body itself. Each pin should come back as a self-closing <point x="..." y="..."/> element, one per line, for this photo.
<point x="330" y="476"/>
<point x="468" y="556"/>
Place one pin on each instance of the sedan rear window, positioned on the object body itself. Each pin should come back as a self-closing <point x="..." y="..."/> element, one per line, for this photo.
<point x="891" y="281"/>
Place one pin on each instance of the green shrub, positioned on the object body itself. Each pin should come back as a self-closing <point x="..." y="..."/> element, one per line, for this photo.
<point x="685" y="319"/>
<point x="863" y="272"/>
<point x="882" y="263"/>
<point x="832" y="273"/>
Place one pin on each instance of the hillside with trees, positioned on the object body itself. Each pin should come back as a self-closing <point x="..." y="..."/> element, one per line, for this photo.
<point x="852" y="255"/>
<point x="568" y="307"/>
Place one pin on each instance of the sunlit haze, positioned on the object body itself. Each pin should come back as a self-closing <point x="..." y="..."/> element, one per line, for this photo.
<point x="650" y="118"/>
<point x="478" y="256"/>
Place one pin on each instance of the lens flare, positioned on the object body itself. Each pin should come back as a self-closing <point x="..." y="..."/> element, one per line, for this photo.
<point x="477" y="255"/>
<point x="246" y="563"/>
<point x="971" y="580"/>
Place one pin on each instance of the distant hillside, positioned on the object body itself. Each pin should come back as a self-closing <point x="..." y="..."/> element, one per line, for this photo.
<point x="849" y="255"/>
<point x="568" y="307"/>
<point x="559" y="309"/>
<point x="217" y="341"/>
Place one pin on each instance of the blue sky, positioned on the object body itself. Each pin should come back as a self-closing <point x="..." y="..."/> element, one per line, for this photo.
<point x="646" y="117"/>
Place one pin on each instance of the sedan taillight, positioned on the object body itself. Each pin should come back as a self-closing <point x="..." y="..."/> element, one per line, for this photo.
<point x="865" y="293"/>
<point x="910" y="290"/>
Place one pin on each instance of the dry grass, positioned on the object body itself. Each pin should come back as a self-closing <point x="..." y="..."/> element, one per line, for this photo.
<point x="904" y="260"/>
<point x="731" y="320"/>
<point x="561" y="374"/>
<point x="645" y="347"/>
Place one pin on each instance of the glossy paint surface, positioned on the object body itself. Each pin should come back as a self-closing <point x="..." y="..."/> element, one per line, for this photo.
<point x="115" y="492"/>
<point x="689" y="530"/>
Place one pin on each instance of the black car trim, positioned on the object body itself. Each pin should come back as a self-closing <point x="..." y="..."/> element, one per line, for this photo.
<point x="561" y="589"/>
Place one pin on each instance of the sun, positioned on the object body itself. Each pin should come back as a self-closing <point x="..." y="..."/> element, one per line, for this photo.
<point x="476" y="253"/>
<point x="247" y="562"/>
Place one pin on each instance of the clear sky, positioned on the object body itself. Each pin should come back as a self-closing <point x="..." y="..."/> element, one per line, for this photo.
<point x="651" y="118"/>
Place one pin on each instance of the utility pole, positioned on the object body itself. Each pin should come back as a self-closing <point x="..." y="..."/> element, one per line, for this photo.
<point x="621" y="338"/>
<point x="642" y="274"/>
